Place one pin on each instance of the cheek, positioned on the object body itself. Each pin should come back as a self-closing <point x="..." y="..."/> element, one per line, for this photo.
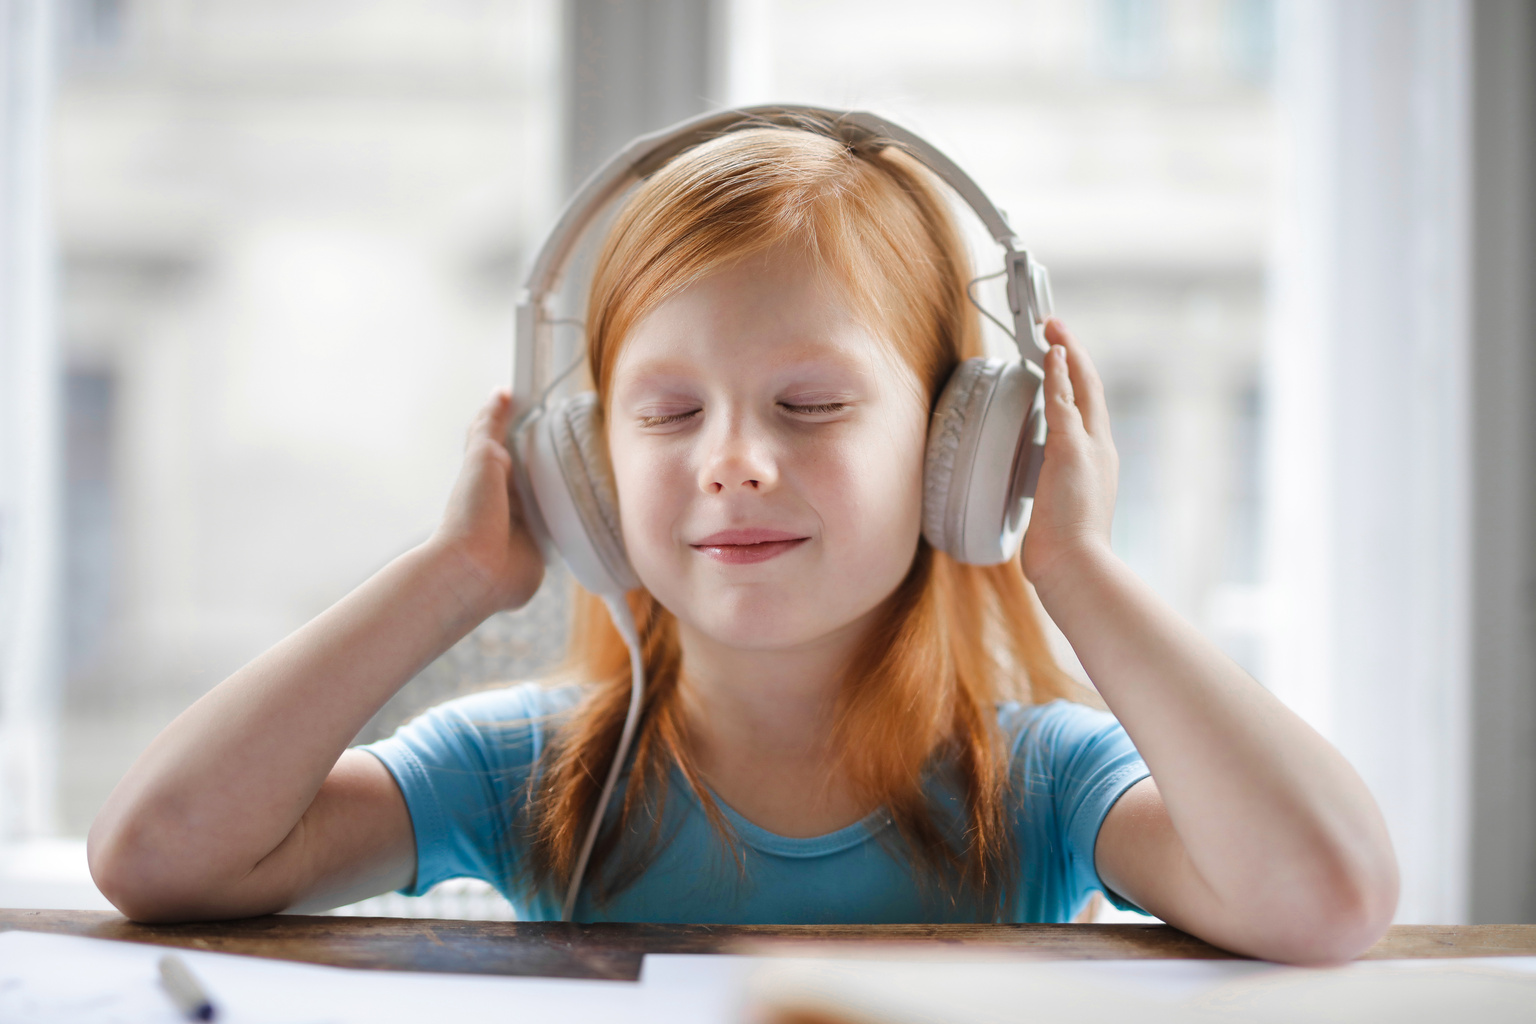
<point x="871" y="491"/>
<point x="652" y="486"/>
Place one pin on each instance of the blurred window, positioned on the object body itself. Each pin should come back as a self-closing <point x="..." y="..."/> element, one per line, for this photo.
<point x="89" y="511"/>
<point x="1251" y="29"/>
<point x="1132" y="37"/>
<point x="94" y="26"/>
<point x="290" y="237"/>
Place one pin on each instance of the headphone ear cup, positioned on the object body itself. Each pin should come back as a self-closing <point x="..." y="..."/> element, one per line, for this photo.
<point x="565" y="458"/>
<point x="946" y="432"/>
<point x="981" y="460"/>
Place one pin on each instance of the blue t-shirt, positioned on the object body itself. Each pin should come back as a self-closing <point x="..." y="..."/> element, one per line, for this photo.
<point x="464" y="768"/>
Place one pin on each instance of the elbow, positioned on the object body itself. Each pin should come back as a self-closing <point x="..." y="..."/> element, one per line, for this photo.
<point x="125" y="874"/>
<point x="1351" y="923"/>
<point x="141" y="879"/>
<point x="1336" y="915"/>
<point x="154" y="874"/>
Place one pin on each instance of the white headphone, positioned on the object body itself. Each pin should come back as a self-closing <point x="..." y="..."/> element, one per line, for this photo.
<point x="985" y="440"/>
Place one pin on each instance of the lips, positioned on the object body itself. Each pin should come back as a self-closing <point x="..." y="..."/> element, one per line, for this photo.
<point x="751" y="544"/>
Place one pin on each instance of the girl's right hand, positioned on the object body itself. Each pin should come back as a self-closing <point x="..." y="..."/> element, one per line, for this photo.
<point x="483" y="529"/>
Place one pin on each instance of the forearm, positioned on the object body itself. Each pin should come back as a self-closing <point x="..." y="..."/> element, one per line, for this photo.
<point x="1273" y="820"/>
<point x="225" y="783"/>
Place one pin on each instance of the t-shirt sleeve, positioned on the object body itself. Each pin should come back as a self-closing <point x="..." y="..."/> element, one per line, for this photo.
<point x="463" y="768"/>
<point x="1076" y="762"/>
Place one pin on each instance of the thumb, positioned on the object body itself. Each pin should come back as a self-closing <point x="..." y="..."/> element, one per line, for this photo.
<point x="491" y="423"/>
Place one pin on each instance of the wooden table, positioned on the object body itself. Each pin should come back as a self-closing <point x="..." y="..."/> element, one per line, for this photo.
<point x="614" y="950"/>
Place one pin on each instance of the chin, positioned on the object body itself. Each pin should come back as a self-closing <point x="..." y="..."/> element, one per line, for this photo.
<point x="749" y="635"/>
<point x="764" y="625"/>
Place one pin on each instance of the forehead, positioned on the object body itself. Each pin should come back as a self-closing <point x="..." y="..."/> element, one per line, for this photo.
<point x="769" y="311"/>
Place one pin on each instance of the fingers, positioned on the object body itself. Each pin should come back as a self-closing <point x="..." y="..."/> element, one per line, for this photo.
<point x="1061" y="411"/>
<point x="1086" y="387"/>
<point x="492" y="420"/>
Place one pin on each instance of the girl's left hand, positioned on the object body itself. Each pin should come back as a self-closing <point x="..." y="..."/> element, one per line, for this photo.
<point x="1075" y="495"/>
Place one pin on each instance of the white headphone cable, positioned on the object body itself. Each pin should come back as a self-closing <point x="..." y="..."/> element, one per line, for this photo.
<point x="970" y="293"/>
<point x="624" y="622"/>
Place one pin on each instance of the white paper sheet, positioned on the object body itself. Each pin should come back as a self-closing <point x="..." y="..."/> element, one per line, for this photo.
<point x="58" y="979"/>
<point x="51" y="979"/>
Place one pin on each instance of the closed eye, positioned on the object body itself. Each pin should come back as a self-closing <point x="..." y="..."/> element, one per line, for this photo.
<point x="670" y="418"/>
<point x="823" y="409"/>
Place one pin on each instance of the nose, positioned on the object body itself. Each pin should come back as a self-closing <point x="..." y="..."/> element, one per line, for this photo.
<point x="737" y="457"/>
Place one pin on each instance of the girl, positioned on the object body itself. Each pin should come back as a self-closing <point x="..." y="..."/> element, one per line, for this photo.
<point x="841" y="724"/>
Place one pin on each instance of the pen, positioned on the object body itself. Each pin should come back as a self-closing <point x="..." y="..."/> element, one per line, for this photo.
<point x="184" y="990"/>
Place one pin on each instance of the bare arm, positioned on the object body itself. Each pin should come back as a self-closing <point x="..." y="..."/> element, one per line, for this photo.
<point x="246" y="803"/>
<point x="1256" y="833"/>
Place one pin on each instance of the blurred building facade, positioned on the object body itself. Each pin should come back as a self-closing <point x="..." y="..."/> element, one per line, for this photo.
<point x="291" y="233"/>
<point x="290" y="239"/>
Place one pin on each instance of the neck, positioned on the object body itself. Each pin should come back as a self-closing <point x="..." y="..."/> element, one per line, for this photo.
<point x="778" y="703"/>
<point x="760" y="729"/>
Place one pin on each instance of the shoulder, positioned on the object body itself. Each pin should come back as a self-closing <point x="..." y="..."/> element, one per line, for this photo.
<point x="462" y="768"/>
<point x="1053" y="727"/>
<point x="510" y="705"/>
<point x="1066" y="748"/>
<point x="498" y="729"/>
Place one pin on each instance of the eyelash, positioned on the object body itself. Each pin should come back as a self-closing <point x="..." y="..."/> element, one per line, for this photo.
<point x="821" y="409"/>
<point x="662" y="421"/>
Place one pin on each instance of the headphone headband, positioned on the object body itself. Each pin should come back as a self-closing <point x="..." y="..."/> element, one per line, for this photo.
<point x="1029" y="295"/>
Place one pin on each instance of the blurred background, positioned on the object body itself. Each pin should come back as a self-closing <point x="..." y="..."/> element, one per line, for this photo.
<point x="260" y="259"/>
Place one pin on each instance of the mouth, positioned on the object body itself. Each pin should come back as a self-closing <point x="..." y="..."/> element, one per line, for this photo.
<point x="745" y="546"/>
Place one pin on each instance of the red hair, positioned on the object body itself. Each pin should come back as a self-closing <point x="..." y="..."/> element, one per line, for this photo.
<point x="952" y="640"/>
